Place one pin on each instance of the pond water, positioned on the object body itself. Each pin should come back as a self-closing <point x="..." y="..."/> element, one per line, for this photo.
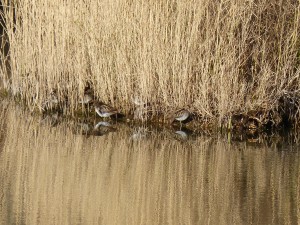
<point x="62" y="172"/>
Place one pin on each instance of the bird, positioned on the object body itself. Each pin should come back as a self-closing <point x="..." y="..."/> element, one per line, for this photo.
<point x="141" y="109"/>
<point x="104" y="110"/>
<point x="88" y="97"/>
<point x="50" y="102"/>
<point x="180" y="115"/>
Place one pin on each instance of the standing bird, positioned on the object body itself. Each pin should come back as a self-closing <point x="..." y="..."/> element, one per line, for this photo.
<point x="51" y="101"/>
<point x="141" y="110"/>
<point x="104" y="110"/>
<point x="88" y="97"/>
<point x="180" y="115"/>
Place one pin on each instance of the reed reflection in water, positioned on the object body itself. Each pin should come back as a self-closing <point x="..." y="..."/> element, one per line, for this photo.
<point x="52" y="175"/>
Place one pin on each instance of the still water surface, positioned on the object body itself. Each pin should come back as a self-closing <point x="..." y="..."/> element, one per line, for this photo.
<point x="52" y="174"/>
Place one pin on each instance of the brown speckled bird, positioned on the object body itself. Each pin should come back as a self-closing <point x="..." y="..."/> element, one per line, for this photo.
<point x="104" y="110"/>
<point x="179" y="115"/>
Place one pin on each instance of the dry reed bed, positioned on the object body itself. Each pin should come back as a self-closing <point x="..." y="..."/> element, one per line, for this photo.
<point x="217" y="58"/>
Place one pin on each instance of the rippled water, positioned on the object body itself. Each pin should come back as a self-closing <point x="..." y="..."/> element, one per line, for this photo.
<point x="52" y="174"/>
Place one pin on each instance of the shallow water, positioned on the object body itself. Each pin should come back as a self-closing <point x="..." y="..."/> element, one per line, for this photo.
<point x="63" y="172"/>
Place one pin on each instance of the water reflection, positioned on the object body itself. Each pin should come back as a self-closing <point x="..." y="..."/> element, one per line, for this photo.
<point x="135" y="175"/>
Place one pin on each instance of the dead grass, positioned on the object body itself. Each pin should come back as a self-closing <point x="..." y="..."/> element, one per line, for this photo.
<point x="216" y="58"/>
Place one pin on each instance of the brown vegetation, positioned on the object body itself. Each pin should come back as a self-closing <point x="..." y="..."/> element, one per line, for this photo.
<point x="217" y="58"/>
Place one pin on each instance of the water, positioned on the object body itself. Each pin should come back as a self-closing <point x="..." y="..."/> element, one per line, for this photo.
<point x="52" y="174"/>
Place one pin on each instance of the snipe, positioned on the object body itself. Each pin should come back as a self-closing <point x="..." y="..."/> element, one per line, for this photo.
<point x="179" y="115"/>
<point x="88" y="96"/>
<point x="104" y="110"/>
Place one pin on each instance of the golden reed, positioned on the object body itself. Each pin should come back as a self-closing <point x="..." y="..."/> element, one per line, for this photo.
<point x="215" y="58"/>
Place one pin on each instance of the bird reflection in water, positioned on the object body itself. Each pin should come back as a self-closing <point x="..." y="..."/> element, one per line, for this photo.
<point x="100" y="129"/>
<point x="103" y="128"/>
<point x="183" y="134"/>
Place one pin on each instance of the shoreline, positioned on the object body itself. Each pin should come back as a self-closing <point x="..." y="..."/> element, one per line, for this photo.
<point x="239" y="127"/>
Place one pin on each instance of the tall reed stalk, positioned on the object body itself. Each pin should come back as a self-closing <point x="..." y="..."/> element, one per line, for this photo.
<point x="214" y="57"/>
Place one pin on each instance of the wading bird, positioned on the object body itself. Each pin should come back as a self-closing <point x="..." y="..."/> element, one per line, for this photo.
<point x="180" y="115"/>
<point x="88" y="97"/>
<point x="104" y="110"/>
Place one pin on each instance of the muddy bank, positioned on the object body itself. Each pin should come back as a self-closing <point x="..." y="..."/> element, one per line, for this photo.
<point x="89" y="124"/>
<point x="252" y="125"/>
